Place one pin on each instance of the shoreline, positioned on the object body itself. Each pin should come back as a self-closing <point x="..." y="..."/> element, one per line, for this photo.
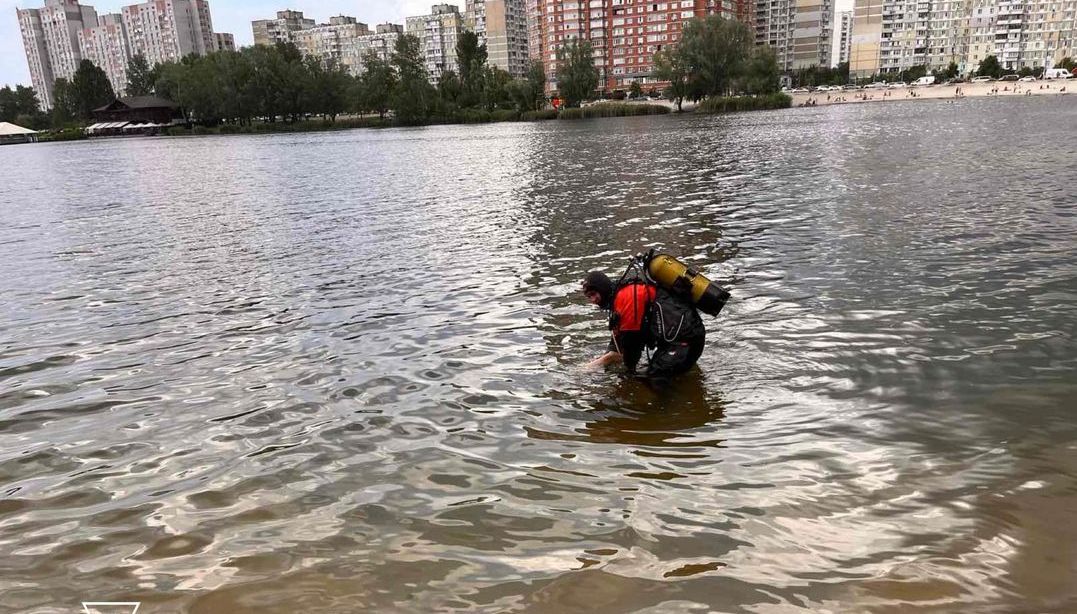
<point x="951" y="92"/>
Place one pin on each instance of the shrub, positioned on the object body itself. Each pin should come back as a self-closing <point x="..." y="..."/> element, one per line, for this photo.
<point x="732" y="104"/>
<point x="529" y="116"/>
<point x="614" y="109"/>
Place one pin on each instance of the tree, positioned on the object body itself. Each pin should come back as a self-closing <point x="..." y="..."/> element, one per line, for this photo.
<point x="140" y="77"/>
<point x="496" y="91"/>
<point x="450" y="88"/>
<point x="577" y="76"/>
<point x="989" y="67"/>
<point x="1068" y="63"/>
<point x="64" y="103"/>
<point x="669" y="66"/>
<point x="635" y="90"/>
<point x="413" y="95"/>
<point x="327" y="89"/>
<point x="91" y="89"/>
<point x="471" y="59"/>
<point x="761" y="74"/>
<point x="20" y="106"/>
<point x="715" y="51"/>
<point x="376" y="85"/>
<point x="529" y="94"/>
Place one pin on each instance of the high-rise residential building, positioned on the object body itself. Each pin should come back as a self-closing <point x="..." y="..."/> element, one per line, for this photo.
<point x="864" y="57"/>
<point x="167" y="30"/>
<point x="63" y="33"/>
<point x="894" y="35"/>
<point x="843" y="36"/>
<point x="624" y="34"/>
<point x="502" y="26"/>
<point x="223" y="41"/>
<point x="51" y="40"/>
<point x="437" y="34"/>
<point x="799" y="31"/>
<point x="380" y="44"/>
<point x="106" y="46"/>
<point x="333" y="41"/>
<point x="280" y="30"/>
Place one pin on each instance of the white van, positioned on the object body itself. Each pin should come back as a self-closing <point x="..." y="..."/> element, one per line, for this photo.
<point x="1057" y="73"/>
<point x="928" y="80"/>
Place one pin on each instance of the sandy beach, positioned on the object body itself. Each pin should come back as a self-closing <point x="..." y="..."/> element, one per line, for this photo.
<point x="938" y="92"/>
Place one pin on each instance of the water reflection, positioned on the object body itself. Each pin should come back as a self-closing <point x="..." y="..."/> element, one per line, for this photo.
<point x="343" y="371"/>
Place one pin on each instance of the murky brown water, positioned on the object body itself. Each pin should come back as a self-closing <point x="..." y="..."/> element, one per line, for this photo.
<point x="342" y="372"/>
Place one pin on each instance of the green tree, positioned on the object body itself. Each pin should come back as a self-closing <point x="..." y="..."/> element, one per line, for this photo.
<point x="20" y="106"/>
<point x="413" y="96"/>
<point x="1068" y="63"/>
<point x="450" y="88"/>
<point x="91" y="89"/>
<point x="989" y="67"/>
<point x="376" y="85"/>
<point x="635" y="90"/>
<point x="577" y="76"/>
<point x="669" y="65"/>
<point x="715" y="51"/>
<point x="140" y="77"/>
<point x="529" y="94"/>
<point x="497" y="89"/>
<point x="471" y="59"/>
<point x="327" y="89"/>
<point x="64" y="103"/>
<point x="761" y="74"/>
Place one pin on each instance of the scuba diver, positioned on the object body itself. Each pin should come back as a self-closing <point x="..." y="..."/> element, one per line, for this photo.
<point x="655" y="306"/>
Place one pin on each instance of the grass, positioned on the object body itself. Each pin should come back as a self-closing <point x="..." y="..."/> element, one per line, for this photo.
<point x="613" y="109"/>
<point x="731" y="104"/>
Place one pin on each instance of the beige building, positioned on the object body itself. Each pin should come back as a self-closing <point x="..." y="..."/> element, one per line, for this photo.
<point x="843" y="36"/>
<point x="333" y="41"/>
<point x="891" y="36"/>
<point x="280" y="30"/>
<point x="437" y="34"/>
<point x="380" y="44"/>
<point x="106" y="46"/>
<point x="224" y="41"/>
<point x="50" y="38"/>
<point x="502" y="26"/>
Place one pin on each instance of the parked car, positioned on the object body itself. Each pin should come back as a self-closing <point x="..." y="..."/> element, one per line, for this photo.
<point x="928" y="80"/>
<point x="1009" y="78"/>
<point x="876" y="85"/>
<point x="983" y="79"/>
<point x="798" y="90"/>
<point x="1057" y="73"/>
<point x="896" y="85"/>
<point x="1027" y="79"/>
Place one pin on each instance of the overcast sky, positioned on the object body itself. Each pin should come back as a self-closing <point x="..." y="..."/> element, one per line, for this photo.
<point x="233" y="16"/>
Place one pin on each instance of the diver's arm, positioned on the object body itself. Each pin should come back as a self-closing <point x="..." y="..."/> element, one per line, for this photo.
<point x="608" y="358"/>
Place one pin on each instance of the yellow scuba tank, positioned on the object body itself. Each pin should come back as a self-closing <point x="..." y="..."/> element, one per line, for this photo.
<point x="675" y="276"/>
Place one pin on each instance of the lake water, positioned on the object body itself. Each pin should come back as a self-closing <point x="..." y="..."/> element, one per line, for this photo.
<point x="343" y="372"/>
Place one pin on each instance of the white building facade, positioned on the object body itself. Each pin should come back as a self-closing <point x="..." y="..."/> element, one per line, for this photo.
<point x="51" y="41"/>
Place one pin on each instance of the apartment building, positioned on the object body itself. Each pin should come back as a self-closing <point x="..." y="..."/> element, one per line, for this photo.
<point x="223" y="41"/>
<point x="502" y="26"/>
<point x="167" y="30"/>
<point x="63" y="33"/>
<point x="1019" y="33"/>
<point x="333" y="41"/>
<point x="625" y="34"/>
<point x="437" y="34"/>
<point x="106" y="46"/>
<point x="843" y="37"/>
<point x="280" y="30"/>
<point x="380" y="43"/>
<point x="799" y="31"/>
<point x="50" y="38"/>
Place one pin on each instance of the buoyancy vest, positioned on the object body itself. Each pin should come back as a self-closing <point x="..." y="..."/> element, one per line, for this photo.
<point x="673" y="318"/>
